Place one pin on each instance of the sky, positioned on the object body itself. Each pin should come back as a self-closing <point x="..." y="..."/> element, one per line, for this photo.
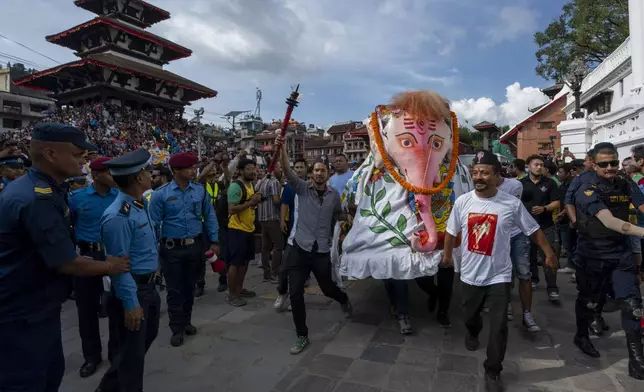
<point x="347" y="56"/>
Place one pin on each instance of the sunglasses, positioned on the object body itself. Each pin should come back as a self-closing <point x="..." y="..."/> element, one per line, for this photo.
<point x="605" y="164"/>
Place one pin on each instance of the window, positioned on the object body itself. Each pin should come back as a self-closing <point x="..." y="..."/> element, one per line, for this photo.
<point x="546" y="124"/>
<point x="11" y="123"/>
<point x="37" y="108"/>
<point x="11" y="106"/>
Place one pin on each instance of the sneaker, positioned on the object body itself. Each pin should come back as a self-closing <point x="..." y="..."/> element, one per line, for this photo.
<point x="509" y="312"/>
<point x="405" y="325"/>
<point x="177" y="339"/>
<point x="222" y="287"/>
<point x="573" y="278"/>
<point x="235" y="301"/>
<point x="247" y="293"/>
<point x="566" y="270"/>
<point x="280" y="303"/>
<point x="347" y="309"/>
<point x="529" y="323"/>
<point x="471" y="342"/>
<point x="443" y="320"/>
<point x="553" y="296"/>
<point x="190" y="330"/>
<point x="534" y="286"/>
<point x="300" y="344"/>
<point x="493" y="383"/>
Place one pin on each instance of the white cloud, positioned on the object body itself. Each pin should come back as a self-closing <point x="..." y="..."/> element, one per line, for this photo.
<point x="512" y="22"/>
<point x="515" y="108"/>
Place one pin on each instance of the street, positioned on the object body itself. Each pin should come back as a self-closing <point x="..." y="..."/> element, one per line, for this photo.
<point x="246" y="349"/>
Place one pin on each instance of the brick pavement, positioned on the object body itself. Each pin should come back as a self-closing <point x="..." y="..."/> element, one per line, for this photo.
<point x="246" y="349"/>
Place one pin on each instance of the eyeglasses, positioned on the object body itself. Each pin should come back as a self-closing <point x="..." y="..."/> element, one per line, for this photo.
<point x="605" y="164"/>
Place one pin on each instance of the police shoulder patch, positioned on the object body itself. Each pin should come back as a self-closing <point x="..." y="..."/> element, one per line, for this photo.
<point x="138" y="204"/>
<point x="125" y="208"/>
<point x="589" y="192"/>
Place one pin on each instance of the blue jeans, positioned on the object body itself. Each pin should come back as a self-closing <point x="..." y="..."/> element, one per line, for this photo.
<point x="398" y="294"/>
<point x="520" y="255"/>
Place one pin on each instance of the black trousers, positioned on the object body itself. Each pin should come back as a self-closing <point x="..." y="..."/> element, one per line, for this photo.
<point x="300" y="264"/>
<point x="497" y="297"/>
<point x="538" y="258"/>
<point x="126" y="369"/>
<point x="595" y="278"/>
<point x="89" y="293"/>
<point x="182" y="266"/>
<point x="439" y="286"/>
<point x="398" y="293"/>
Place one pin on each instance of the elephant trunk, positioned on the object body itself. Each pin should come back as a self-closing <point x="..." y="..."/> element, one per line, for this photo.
<point x="425" y="240"/>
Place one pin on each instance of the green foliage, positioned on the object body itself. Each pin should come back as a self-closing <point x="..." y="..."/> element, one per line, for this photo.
<point x="587" y="29"/>
<point x="473" y="138"/>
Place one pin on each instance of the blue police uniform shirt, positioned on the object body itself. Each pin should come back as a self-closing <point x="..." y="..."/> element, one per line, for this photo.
<point x="87" y="207"/>
<point x="589" y="201"/>
<point x="576" y="182"/>
<point x="35" y="239"/>
<point x="179" y="213"/>
<point x="127" y="229"/>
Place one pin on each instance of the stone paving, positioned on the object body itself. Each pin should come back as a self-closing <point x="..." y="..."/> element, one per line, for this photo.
<point x="246" y="349"/>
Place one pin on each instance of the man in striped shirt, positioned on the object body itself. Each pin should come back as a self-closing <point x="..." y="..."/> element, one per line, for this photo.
<point x="268" y="211"/>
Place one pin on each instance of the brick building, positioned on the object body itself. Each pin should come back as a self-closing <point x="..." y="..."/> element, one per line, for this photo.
<point x="537" y="134"/>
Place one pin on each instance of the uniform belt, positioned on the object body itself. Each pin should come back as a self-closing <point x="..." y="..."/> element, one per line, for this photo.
<point x="91" y="246"/>
<point x="170" y="243"/>
<point x="145" y="279"/>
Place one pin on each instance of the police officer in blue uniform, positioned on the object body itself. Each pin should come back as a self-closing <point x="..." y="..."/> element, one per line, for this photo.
<point x="87" y="205"/>
<point x="188" y="226"/>
<point x="604" y="253"/>
<point x="134" y="309"/>
<point x="37" y="254"/>
<point x="11" y="168"/>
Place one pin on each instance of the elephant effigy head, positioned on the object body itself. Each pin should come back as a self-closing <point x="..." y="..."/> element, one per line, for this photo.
<point x="413" y="135"/>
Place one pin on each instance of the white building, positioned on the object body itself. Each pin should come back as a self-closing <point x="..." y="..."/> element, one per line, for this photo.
<point x="18" y="105"/>
<point x="612" y="97"/>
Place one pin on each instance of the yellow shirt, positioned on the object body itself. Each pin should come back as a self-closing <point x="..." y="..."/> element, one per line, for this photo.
<point x="245" y="220"/>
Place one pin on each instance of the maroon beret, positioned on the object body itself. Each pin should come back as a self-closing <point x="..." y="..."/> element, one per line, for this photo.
<point x="182" y="160"/>
<point x="99" y="163"/>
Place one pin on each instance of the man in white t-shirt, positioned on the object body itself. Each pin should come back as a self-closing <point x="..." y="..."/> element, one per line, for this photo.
<point x="520" y="256"/>
<point x="487" y="219"/>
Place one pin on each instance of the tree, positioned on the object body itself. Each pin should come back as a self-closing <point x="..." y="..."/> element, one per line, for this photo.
<point x="587" y="29"/>
<point x="473" y="138"/>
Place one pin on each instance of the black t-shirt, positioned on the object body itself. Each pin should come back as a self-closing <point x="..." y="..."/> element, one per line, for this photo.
<point x="542" y="193"/>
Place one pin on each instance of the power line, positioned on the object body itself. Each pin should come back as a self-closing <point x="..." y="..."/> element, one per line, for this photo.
<point x="21" y="60"/>
<point x="30" y="49"/>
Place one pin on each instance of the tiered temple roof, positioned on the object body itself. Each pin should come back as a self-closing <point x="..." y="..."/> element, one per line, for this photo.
<point x="118" y="59"/>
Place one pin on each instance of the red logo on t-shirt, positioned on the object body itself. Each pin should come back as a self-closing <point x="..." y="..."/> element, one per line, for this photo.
<point x="481" y="232"/>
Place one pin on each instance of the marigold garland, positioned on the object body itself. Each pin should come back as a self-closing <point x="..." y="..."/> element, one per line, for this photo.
<point x="399" y="179"/>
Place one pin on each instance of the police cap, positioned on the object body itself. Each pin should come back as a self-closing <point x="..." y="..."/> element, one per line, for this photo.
<point x="129" y="163"/>
<point x="62" y="133"/>
<point x="15" y="160"/>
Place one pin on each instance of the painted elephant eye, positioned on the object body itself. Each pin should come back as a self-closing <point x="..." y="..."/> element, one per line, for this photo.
<point x="407" y="140"/>
<point x="436" y="142"/>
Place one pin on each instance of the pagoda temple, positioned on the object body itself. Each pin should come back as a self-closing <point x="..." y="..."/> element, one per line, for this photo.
<point x="119" y="60"/>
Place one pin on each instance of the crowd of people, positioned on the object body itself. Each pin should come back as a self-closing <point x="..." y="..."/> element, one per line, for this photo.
<point x="162" y="222"/>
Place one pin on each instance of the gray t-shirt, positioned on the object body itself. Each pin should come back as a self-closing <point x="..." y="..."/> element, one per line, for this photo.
<point x="515" y="188"/>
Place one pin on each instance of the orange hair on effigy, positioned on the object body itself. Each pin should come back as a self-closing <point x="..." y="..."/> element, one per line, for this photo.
<point x="421" y="104"/>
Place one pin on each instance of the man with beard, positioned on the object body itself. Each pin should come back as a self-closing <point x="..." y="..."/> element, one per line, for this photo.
<point x="541" y="197"/>
<point x="309" y="243"/>
<point x="486" y="218"/>
<point x="87" y="206"/>
<point x="242" y="200"/>
<point x="604" y="254"/>
<point x="37" y="254"/>
<point x="184" y="217"/>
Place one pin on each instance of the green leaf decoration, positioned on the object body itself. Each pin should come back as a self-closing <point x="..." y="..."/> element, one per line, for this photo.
<point x="367" y="190"/>
<point x="395" y="241"/>
<point x="381" y="194"/>
<point x="365" y="213"/>
<point x="386" y="210"/>
<point x="378" y="229"/>
<point x="402" y="223"/>
<point x="388" y="179"/>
